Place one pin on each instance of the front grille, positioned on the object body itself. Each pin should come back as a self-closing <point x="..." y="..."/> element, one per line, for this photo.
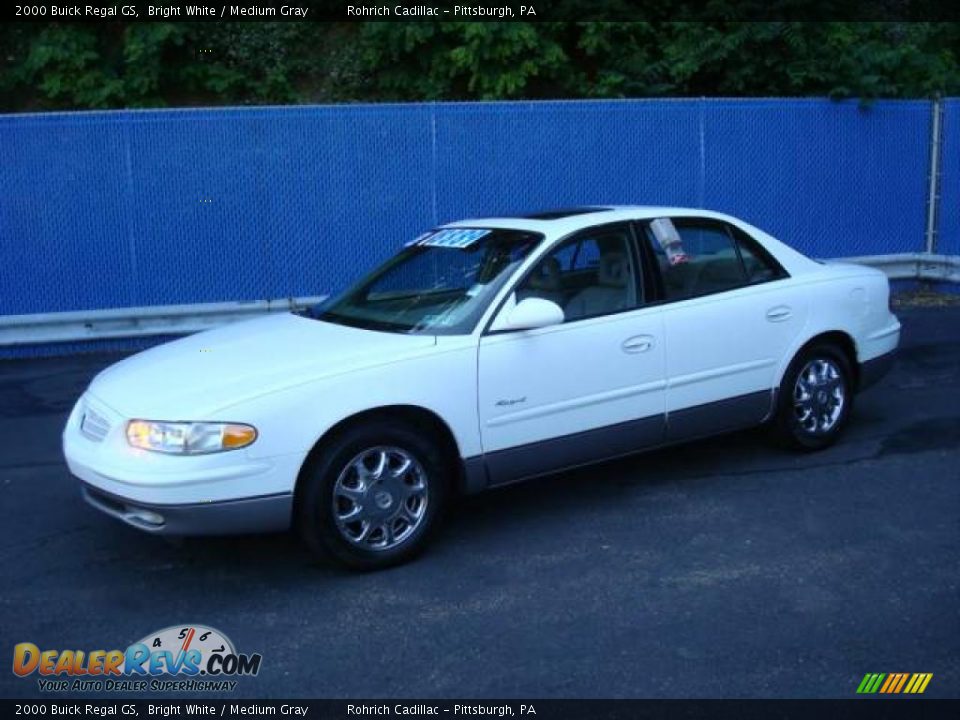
<point x="94" y="425"/>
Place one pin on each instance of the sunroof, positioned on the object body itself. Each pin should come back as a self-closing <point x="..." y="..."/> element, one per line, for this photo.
<point x="567" y="212"/>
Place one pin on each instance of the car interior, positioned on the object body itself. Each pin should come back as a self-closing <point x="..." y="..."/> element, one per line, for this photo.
<point x="711" y="263"/>
<point x="592" y="276"/>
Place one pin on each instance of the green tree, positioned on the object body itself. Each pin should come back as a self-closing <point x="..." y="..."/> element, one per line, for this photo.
<point x="601" y="59"/>
<point x="79" y="66"/>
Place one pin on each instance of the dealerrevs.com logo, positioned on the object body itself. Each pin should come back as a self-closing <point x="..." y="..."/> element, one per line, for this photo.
<point x="178" y="658"/>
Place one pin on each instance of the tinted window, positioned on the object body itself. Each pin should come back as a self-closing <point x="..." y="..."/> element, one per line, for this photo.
<point x="705" y="262"/>
<point x="759" y="266"/>
<point x="587" y="256"/>
<point x="588" y="276"/>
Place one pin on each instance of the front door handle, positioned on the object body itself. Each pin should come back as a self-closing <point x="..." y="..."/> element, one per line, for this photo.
<point x="779" y="313"/>
<point x="637" y="344"/>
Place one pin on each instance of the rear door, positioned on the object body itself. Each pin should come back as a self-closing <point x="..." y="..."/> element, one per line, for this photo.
<point x="730" y="315"/>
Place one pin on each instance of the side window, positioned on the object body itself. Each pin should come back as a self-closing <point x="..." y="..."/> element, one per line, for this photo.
<point x="759" y="266"/>
<point x="566" y="256"/>
<point x="590" y="275"/>
<point x="696" y="257"/>
<point x="587" y="257"/>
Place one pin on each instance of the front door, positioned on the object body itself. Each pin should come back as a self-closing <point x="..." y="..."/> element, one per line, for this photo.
<point x="590" y="388"/>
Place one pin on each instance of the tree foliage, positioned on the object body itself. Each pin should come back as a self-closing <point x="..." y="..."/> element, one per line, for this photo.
<point x="80" y="66"/>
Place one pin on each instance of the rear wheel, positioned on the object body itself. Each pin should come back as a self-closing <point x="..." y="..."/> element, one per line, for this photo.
<point x="815" y="398"/>
<point x="373" y="497"/>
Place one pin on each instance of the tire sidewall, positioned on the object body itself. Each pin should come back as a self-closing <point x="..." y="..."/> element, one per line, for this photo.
<point x="316" y="522"/>
<point x="790" y="428"/>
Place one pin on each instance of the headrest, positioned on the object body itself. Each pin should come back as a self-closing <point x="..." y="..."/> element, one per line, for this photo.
<point x="613" y="270"/>
<point x="546" y="276"/>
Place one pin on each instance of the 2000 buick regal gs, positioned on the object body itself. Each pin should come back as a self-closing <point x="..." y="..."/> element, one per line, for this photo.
<point x="485" y="352"/>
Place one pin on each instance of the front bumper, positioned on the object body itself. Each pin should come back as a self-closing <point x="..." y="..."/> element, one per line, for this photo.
<point x="215" y="494"/>
<point x="260" y="514"/>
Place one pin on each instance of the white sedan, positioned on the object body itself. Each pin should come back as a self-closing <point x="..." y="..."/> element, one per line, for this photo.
<point x="485" y="352"/>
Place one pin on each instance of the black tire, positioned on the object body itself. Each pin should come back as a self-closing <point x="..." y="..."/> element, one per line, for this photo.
<point x="317" y="520"/>
<point x="789" y="425"/>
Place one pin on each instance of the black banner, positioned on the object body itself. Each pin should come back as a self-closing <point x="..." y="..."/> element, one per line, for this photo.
<point x="482" y="11"/>
<point x="853" y="709"/>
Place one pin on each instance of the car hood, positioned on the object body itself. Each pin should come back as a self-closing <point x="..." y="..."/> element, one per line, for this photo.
<point x="190" y="378"/>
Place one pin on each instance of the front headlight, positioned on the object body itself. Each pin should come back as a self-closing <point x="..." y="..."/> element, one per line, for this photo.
<point x="189" y="438"/>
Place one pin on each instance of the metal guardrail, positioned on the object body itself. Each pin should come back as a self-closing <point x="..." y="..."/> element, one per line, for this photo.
<point x="913" y="266"/>
<point x="186" y="319"/>
<point x="136" y="322"/>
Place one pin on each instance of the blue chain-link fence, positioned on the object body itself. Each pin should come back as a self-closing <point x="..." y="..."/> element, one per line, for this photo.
<point x="948" y="227"/>
<point x="131" y="208"/>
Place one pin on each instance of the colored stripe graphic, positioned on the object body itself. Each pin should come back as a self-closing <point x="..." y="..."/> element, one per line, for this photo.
<point x="903" y="680"/>
<point x="894" y="683"/>
<point x="876" y="683"/>
<point x="890" y="686"/>
<point x="871" y="683"/>
<point x="918" y="683"/>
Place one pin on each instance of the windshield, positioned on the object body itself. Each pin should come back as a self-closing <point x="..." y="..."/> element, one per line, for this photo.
<point x="439" y="284"/>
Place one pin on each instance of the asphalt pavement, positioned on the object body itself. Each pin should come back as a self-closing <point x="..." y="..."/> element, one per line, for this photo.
<point x="723" y="568"/>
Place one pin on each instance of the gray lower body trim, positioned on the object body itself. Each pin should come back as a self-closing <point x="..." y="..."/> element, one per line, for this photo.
<point x="873" y="371"/>
<point x="549" y="456"/>
<point x="474" y="478"/>
<point x="606" y="443"/>
<point x="721" y="416"/>
<point x="269" y="513"/>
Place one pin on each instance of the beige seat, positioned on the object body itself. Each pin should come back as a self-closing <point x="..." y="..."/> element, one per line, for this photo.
<point x="544" y="282"/>
<point x="612" y="292"/>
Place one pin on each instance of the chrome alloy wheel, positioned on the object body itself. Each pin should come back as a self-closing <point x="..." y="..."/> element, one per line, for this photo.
<point x="819" y="396"/>
<point x="380" y="498"/>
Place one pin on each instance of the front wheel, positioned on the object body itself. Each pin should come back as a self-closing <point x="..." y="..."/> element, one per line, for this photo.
<point x="815" y="398"/>
<point x="373" y="497"/>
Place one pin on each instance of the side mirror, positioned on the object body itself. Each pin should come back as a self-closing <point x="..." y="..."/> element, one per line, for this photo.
<point x="528" y="314"/>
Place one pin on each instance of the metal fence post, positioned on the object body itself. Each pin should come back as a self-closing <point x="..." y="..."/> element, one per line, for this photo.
<point x="933" y="189"/>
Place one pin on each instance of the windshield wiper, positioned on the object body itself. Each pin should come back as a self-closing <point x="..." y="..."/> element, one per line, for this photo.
<point x="363" y="323"/>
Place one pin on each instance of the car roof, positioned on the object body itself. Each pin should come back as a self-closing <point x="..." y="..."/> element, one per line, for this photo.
<point x="571" y="222"/>
<point x="553" y="222"/>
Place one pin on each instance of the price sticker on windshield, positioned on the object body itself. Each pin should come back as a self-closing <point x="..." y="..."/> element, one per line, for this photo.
<point x="453" y="238"/>
<point x="418" y="239"/>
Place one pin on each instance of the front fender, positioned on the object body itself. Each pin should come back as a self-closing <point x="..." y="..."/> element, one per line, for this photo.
<point x="292" y="420"/>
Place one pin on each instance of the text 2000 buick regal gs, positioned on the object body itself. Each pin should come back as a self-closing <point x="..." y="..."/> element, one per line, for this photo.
<point x="485" y="352"/>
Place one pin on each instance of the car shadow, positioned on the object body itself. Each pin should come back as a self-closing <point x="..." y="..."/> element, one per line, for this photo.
<point x="488" y="519"/>
<point x="602" y="482"/>
<point x="480" y="514"/>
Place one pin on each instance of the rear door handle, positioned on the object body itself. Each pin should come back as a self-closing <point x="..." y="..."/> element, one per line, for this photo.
<point x="779" y="313"/>
<point x="637" y="344"/>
